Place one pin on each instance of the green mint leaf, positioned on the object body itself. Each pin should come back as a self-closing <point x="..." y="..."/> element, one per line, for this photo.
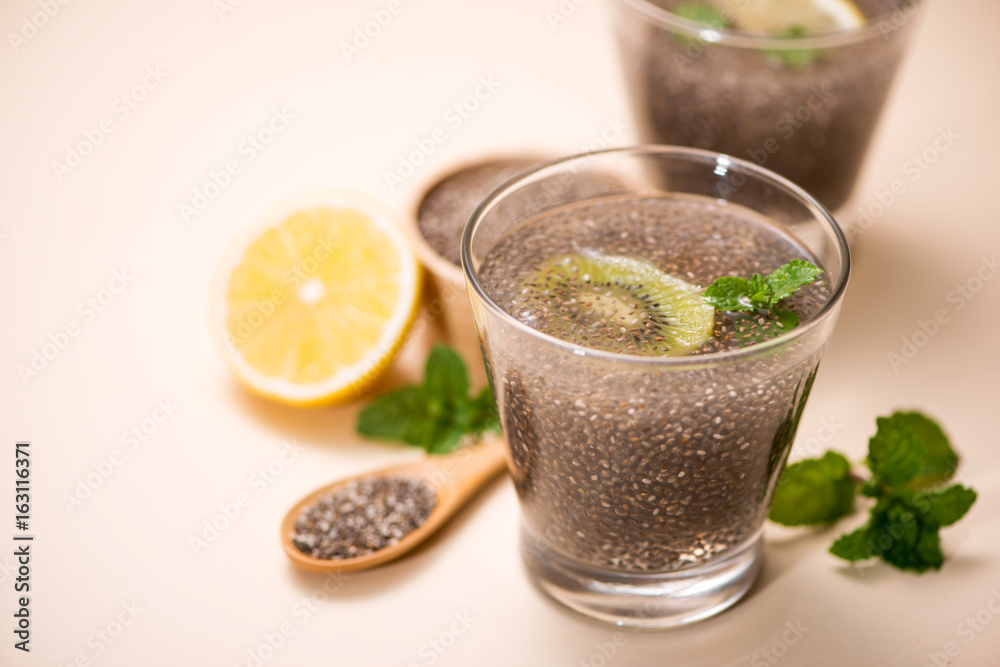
<point x="729" y="293"/>
<point x="701" y="12"/>
<point x="484" y="412"/>
<point x="402" y="415"/>
<point x="907" y="455"/>
<point x="783" y="281"/>
<point x="897" y="535"/>
<point x="786" y="318"/>
<point x="895" y="453"/>
<point x="445" y="376"/>
<point x="760" y="293"/>
<point x="940" y="460"/>
<point x="437" y="415"/>
<point x="944" y="506"/>
<point x="854" y="546"/>
<point x="795" y="57"/>
<point x="871" y="488"/>
<point x="905" y="539"/>
<point x="813" y="491"/>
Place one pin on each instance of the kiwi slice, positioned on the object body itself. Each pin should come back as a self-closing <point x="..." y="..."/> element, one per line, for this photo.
<point x="617" y="304"/>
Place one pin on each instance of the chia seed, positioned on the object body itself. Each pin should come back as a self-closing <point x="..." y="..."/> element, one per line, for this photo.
<point x="363" y="516"/>
<point x="638" y="468"/>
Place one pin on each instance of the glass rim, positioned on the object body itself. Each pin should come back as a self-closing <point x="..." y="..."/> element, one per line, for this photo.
<point x="674" y="23"/>
<point x="700" y="361"/>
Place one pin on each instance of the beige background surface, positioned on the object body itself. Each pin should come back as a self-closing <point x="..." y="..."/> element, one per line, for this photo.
<point x="124" y="552"/>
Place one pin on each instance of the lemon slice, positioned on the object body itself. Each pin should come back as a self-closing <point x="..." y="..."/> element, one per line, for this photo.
<point x="775" y="17"/>
<point x="315" y="303"/>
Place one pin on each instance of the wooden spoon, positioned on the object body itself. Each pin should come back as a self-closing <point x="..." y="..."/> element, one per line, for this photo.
<point x="455" y="477"/>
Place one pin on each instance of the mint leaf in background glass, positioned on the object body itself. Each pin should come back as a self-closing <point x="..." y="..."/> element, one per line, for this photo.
<point x="704" y="13"/>
<point x="795" y="57"/>
<point x="814" y="491"/>
<point x="435" y="416"/>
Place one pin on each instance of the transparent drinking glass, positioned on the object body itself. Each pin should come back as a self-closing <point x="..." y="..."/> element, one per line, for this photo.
<point x="803" y="106"/>
<point x="644" y="482"/>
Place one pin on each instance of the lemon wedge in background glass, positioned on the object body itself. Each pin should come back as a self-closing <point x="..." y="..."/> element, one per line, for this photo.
<point x="315" y="304"/>
<point x="774" y="17"/>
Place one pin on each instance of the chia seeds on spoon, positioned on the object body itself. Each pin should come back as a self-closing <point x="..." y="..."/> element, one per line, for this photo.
<point x="363" y="516"/>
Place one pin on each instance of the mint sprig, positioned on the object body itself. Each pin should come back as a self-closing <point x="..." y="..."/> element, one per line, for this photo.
<point x="763" y="293"/>
<point x="910" y="459"/>
<point x="704" y="13"/>
<point x="701" y="12"/>
<point x="795" y="57"/>
<point x="436" y="415"/>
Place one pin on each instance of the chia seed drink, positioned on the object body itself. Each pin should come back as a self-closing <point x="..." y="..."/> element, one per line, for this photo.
<point x="807" y="110"/>
<point x="645" y="471"/>
<point x="644" y="457"/>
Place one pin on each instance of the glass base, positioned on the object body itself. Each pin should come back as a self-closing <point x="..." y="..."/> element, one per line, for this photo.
<point x="643" y="600"/>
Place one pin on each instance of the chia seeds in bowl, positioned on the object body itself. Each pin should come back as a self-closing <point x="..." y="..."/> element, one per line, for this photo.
<point x="447" y="206"/>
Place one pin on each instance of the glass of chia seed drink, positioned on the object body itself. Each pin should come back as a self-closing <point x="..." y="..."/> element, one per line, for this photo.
<point x="751" y="79"/>
<point x="647" y="430"/>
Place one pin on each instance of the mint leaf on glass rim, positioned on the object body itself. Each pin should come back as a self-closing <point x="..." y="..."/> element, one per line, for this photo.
<point x="762" y="294"/>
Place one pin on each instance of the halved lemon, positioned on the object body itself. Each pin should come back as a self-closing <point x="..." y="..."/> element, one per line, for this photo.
<point x="775" y="17"/>
<point x="315" y="303"/>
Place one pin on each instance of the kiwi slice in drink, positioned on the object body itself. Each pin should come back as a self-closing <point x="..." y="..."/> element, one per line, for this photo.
<point x="617" y="304"/>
